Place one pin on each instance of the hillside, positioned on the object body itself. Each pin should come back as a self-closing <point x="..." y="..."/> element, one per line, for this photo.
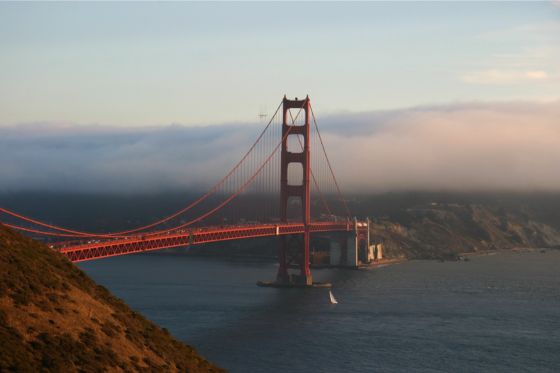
<point x="445" y="230"/>
<point x="54" y="318"/>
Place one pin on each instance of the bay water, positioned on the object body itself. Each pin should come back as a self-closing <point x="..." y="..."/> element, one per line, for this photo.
<point x="493" y="313"/>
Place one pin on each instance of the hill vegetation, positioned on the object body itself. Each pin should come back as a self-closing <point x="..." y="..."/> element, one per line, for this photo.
<point x="445" y="230"/>
<point x="54" y="318"/>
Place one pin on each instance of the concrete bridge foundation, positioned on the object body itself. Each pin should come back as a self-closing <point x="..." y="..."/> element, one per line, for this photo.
<point x="351" y="249"/>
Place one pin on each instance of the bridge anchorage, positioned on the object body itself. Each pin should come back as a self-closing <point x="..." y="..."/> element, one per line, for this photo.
<point x="272" y="167"/>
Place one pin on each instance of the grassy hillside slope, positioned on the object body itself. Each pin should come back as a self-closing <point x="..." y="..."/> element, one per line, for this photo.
<point x="442" y="231"/>
<point x="54" y="318"/>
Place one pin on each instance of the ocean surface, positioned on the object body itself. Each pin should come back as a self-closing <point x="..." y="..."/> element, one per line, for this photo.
<point x="495" y="313"/>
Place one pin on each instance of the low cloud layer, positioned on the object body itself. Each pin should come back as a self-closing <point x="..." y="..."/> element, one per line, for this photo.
<point x="462" y="147"/>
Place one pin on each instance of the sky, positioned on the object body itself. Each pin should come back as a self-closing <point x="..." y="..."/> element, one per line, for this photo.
<point x="141" y="97"/>
<point x="146" y="64"/>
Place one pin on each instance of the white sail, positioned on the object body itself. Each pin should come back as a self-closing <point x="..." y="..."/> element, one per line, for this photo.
<point x="333" y="300"/>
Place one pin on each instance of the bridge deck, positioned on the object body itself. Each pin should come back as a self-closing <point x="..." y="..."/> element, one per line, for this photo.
<point x="141" y="243"/>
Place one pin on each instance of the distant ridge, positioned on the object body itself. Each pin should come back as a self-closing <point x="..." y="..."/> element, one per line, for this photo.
<point x="54" y="318"/>
<point x="447" y="230"/>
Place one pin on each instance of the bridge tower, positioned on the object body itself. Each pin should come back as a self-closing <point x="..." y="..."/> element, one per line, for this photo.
<point x="302" y="191"/>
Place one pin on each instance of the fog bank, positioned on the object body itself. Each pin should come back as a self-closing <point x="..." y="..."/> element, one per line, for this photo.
<point x="512" y="146"/>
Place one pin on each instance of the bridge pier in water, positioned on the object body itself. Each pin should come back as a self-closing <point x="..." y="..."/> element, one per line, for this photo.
<point x="346" y="249"/>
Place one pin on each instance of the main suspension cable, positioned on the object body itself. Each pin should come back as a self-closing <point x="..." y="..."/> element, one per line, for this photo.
<point x="156" y="223"/>
<point x="329" y="164"/>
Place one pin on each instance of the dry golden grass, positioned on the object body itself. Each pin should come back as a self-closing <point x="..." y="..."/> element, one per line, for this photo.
<point x="54" y="318"/>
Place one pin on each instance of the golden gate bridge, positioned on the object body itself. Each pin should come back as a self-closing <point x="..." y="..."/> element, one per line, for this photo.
<point x="276" y="189"/>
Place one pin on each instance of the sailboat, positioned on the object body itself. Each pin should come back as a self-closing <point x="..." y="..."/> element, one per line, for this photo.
<point x="333" y="299"/>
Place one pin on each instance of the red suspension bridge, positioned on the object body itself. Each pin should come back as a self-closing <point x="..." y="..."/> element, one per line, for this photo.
<point x="276" y="189"/>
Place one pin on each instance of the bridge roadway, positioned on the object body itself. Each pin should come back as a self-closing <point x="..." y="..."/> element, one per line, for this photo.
<point x="146" y="242"/>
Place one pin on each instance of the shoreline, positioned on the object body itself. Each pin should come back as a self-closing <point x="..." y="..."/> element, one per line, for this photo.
<point x="512" y="250"/>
